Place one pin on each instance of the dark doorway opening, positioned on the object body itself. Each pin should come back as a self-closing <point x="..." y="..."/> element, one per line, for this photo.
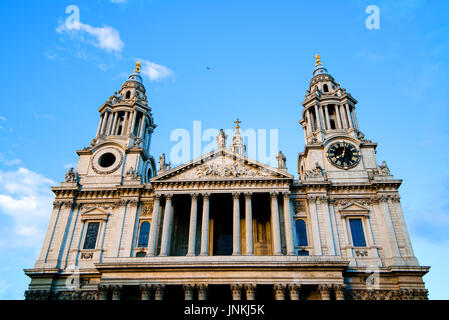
<point x="221" y="213"/>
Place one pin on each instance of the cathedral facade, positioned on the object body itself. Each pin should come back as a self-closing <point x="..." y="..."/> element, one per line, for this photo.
<point x="224" y="226"/>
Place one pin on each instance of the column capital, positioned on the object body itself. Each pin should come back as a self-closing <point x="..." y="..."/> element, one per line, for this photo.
<point x="235" y="195"/>
<point x="286" y="194"/>
<point x="248" y="194"/>
<point x="168" y="196"/>
<point x="194" y="195"/>
<point x="206" y="195"/>
<point x="274" y="193"/>
<point x="157" y="196"/>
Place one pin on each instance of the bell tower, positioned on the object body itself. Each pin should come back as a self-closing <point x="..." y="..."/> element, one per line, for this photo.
<point x="120" y="151"/>
<point x="335" y="147"/>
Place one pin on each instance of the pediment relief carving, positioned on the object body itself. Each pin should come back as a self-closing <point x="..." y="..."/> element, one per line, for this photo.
<point x="218" y="167"/>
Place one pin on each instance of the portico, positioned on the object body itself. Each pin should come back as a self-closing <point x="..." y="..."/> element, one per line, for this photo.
<point x="248" y="215"/>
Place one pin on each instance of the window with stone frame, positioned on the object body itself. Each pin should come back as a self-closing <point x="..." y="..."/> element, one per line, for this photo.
<point x="301" y="233"/>
<point x="90" y="239"/>
<point x="144" y="234"/>
<point x="357" y="233"/>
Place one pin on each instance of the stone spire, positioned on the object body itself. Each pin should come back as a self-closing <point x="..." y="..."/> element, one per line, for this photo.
<point x="238" y="143"/>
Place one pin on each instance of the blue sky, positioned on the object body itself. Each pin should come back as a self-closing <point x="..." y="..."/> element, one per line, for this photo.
<point x="260" y="59"/>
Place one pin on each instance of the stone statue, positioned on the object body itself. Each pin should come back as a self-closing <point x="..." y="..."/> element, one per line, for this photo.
<point x="71" y="176"/>
<point x="162" y="165"/>
<point x="281" y="160"/>
<point x="221" y="139"/>
<point x="383" y="169"/>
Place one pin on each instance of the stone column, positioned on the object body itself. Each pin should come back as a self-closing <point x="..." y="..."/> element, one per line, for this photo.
<point x="288" y="225"/>
<point x="145" y="290"/>
<point x="125" y="124"/>
<point x="328" y="122"/>
<point x="159" y="292"/>
<point x="389" y="232"/>
<point x="249" y="225"/>
<point x="355" y="118"/>
<point x="236" y="289"/>
<point x="250" y="291"/>
<point x="339" y="292"/>
<point x="343" y="116"/>
<point x="193" y="223"/>
<point x="348" y="115"/>
<point x="317" y="117"/>
<point x="165" y="242"/>
<point x="105" y="122"/>
<point x="114" y="123"/>
<point x="202" y="291"/>
<point x="205" y="226"/>
<point x="116" y="292"/>
<point x="279" y="291"/>
<point x="323" y="122"/>
<point x="188" y="291"/>
<point x="236" y="224"/>
<point x="154" y="224"/>
<point x="133" y="121"/>
<point x="337" y="114"/>
<point x="315" y="226"/>
<point x="141" y="126"/>
<point x="275" y="225"/>
<point x="294" y="290"/>
<point x="324" y="291"/>
<point x="100" y="124"/>
<point x="309" y="124"/>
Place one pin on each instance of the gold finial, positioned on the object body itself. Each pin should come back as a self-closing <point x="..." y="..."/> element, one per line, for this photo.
<point x="318" y="61"/>
<point x="237" y="122"/>
<point x="137" y="67"/>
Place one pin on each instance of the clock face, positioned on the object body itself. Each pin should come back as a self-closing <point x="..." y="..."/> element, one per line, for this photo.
<point x="343" y="155"/>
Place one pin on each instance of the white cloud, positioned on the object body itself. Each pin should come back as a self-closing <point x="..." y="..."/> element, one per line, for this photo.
<point x="155" y="71"/>
<point x="25" y="207"/>
<point x="106" y="37"/>
<point x="2" y="118"/>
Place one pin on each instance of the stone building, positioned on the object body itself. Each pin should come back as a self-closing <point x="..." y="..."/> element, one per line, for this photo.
<point x="224" y="226"/>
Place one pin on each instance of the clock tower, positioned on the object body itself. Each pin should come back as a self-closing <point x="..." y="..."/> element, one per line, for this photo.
<point x="335" y="147"/>
<point x="119" y="153"/>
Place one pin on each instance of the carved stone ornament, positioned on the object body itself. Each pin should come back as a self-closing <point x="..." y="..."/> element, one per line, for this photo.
<point x="87" y="255"/>
<point x="345" y="202"/>
<point x="299" y="207"/>
<point x="133" y="174"/>
<point x="235" y="170"/>
<point x="147" y="210"/>
<point x="318" y="172"/>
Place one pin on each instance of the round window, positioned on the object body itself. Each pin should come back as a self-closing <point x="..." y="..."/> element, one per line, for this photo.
<point x="106" y="160"/>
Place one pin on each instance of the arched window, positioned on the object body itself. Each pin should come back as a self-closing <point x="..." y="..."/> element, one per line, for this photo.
<point x="128" y="94"/>
<point x="325" y="88"/>
<point x="144" y="234"/>
<point x="301" y="232"/>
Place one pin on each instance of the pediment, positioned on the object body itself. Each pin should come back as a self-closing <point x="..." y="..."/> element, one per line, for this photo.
<point x="94" y="214"/>
<point x="354" y="209"/>
<point x="222" y="164"/>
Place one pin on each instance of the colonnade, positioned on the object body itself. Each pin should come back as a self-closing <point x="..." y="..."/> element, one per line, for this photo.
<point x="110" y="122"/>
<point x="167" y="224"/>
<point x="345" y="117"/>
